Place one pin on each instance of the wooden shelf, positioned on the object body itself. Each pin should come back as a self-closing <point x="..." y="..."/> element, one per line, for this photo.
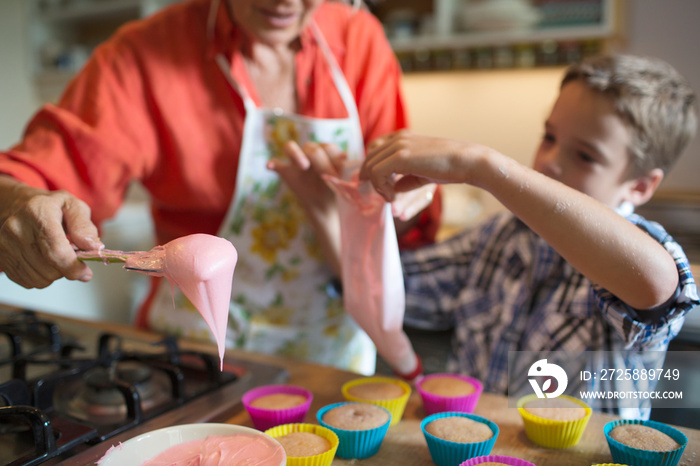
<point x="89" y="11"/>
<point x="502" y="38"/>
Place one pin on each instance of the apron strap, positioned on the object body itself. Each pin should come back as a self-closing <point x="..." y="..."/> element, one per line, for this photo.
<point x="225" y="67"/>
<point x="343" y="89"/>
<point x="339" y="81"/>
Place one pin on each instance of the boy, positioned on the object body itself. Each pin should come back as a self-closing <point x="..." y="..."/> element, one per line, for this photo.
<point x="569" y="267"/>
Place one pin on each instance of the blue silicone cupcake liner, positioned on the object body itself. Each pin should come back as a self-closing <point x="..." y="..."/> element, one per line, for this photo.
<point x="510" y="460"/>
<point x="629" y="455"/>
<point x="447" y="453"/>
<point x="356" y="443"/>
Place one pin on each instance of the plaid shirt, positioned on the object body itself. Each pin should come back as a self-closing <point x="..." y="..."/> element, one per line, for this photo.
<point x="503" y="288"/>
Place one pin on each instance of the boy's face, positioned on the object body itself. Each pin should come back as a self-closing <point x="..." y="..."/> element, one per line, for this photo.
<point x="585" y="146"/>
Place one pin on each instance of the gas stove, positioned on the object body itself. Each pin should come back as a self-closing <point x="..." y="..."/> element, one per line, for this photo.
<point x="69" y="390"/>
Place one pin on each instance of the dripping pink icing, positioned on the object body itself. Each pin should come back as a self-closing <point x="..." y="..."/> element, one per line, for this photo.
<point x="222" y="450"/>
<point x="202" y="267"/>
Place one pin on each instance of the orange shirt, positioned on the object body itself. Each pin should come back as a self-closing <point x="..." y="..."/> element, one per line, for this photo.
<point x="151" y="104"/>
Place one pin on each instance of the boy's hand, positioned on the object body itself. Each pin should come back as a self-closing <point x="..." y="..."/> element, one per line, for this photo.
<point x="403" y="161"/>
<point x="409" y="204"/>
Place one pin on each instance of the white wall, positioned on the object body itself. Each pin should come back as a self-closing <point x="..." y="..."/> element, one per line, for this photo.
<point x="113" y="293"/>
<point x="670" y="29"/>
<point x="506" y="109"/>
<point x="501" y="109"/>
<point x="17" y="95"/>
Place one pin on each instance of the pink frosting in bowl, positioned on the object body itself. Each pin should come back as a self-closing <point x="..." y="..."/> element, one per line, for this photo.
<point x="206" y="444"/>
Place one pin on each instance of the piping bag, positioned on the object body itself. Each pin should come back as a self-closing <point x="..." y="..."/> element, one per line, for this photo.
<point x="373" y="287"/>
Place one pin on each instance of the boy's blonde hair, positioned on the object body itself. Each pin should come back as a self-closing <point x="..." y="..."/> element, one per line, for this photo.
<point x="652" y="98"/>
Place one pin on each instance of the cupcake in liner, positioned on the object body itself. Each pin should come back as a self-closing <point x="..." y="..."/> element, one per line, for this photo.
<point x="609" y="464"/>
<point x="264" y="418"/>
<point x="630" y="455"/>
<point x="510" y="460"/>
<point x="433" y="403"/>
<point x="551" y="433"/>
<point x="356" y="443"/>
<point x="395" y="406"/>
<point x="322" y="459"/>
<point x="448" y="453"/>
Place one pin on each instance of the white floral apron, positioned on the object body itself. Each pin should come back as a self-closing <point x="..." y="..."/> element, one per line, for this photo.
<point x="282" y="301"/>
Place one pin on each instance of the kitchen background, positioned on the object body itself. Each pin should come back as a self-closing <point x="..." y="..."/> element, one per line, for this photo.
<point x="463" y="81"/>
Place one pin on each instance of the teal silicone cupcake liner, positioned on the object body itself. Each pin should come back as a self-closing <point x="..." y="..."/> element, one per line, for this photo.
<point x="447" y="453"/>
<point x="629" y="455"/>
<point x="357" y="444"/>
<point x="509" y="460"/>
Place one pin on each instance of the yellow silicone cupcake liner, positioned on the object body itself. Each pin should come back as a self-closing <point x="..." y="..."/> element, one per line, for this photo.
<point x="322" y="459"/>
<point x="395" y="406"/>
<point x="552" y="433"/>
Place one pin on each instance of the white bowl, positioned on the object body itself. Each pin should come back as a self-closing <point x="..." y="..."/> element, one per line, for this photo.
<point x="146" y="446"/>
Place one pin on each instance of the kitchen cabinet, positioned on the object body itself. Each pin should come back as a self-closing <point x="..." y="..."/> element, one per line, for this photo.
<point x="63" y="33"/>
<point x="486" y="34"/>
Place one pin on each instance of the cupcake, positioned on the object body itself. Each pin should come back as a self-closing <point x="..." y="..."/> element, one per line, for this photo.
<point x="554" y="422"/>
<point x="496" y="460"/>
<point x="449" y="392"/>
<point x="306" y="444"/>
<point x="454" y="437"/>
<point x="644" y="443"/>
<point x="386" y="392"/>
<point x="360" y="427"/>
<point x="272" y="405"/>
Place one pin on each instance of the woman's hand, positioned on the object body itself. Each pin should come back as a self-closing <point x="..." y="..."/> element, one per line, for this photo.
<point x="303" y="174"/>
<point x="304" y="170"/>
<point x="35" y="249"/>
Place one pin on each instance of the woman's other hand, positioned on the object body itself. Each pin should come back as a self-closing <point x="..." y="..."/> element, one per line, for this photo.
<point x="35" y="249"/>
<point x="303" y="174"/>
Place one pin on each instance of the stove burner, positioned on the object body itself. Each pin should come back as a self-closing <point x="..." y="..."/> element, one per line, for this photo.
<point x="99" y="397"/>
<point x="69" y="392"/>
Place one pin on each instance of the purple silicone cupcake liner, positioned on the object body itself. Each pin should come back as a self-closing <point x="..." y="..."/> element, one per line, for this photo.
<point x="497" y="459"/>
<point x="438" y="404"/>
<point x="264" y="419"/>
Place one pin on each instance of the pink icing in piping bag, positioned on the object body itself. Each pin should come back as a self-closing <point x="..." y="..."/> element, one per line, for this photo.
<point x="200" y="265"/>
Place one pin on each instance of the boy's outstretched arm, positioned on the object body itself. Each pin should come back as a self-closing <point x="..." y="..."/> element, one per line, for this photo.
<point x="592" y="237"/>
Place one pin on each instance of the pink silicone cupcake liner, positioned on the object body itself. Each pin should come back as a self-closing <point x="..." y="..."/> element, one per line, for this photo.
<point x="264" y="419"/>
<point x="497" y="459"/>
<point x="438" y="404"/>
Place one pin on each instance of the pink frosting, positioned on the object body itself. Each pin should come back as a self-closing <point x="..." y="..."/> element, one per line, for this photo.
<point x="222" y="450"/>
<point x="202" y="267"/>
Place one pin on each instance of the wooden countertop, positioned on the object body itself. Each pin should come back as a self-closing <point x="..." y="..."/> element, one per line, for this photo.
<point x="404" y="444"/>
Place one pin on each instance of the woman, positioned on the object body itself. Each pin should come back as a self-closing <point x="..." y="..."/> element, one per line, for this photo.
<point x="193" y="103"/>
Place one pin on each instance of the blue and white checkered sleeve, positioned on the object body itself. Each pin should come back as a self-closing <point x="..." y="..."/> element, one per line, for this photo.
<point x="668" y="318"/>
